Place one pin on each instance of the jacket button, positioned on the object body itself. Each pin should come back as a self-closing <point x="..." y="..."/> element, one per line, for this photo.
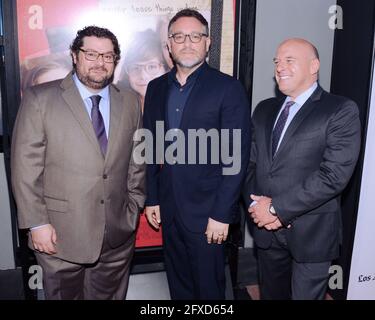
<point x="105" y="176"/>
<point x="101" y="201"/>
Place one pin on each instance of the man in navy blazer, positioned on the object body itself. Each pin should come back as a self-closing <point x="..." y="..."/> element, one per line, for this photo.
<point x="195" y="193"/>
<point x="304" y="150"/>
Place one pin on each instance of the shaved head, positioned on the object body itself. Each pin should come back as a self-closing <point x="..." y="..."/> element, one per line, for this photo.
<point x="304" y="43"/>
<point x="296" y="66"/>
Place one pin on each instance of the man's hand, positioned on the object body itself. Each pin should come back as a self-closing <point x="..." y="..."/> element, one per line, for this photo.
<point x="274" y="225"/>
<point x="260" y="211"/>
<point x="153" y="216"/>
<point x="44" y="239"/>
<point x="216" y="231"/>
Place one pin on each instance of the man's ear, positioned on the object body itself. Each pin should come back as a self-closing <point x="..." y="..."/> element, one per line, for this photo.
<point x="169" y="45"/>
<point x="208" y="44"/>
<point x="74" y="57"/>
<point x="314" y="66"/>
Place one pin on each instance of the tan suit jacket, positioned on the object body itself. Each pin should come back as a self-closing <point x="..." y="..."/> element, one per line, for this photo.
<point x="60" y="176"/>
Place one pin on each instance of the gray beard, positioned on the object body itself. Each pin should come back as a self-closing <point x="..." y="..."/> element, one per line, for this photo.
<point x="188" y="66"/>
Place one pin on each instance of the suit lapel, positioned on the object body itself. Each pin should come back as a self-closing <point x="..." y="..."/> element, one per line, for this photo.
<point x="269" y="125"/>
<point x="116" y="108"/>
<point x="163" y="110"/>
<point x="301" y="115"/>
<point x="197" y="91"/>
<point x="74" y="101"/>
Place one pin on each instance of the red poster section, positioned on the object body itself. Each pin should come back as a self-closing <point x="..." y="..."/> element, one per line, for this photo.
<point x="147" y="236"/>
<point x="37" y="19"/>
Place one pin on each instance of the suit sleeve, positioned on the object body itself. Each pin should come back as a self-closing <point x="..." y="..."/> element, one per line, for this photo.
<point x="235" y="114"/>
<point x="136" y="175"/>
<point x="152" y="169"/>
<point x="27" y="163"/>
<point x="343" y="140"/>
<point x="249" y="184"/>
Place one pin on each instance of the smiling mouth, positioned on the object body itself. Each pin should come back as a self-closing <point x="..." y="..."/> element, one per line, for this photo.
<point x="284" y="77"/>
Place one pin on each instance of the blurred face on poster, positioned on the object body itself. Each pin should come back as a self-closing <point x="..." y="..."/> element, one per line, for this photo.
<point x="142" y="72"/>
<point x="95" y="62"/>
<point x="143" y="62"/>
<point x="188" y="42"/>
<point x="44" y="69"/>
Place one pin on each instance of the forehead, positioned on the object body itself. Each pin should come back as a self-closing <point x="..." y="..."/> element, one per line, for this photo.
<point x="292" y="49"/>
<point x="147" y="61"/>
<point x="98" y="44"/>
<point x="187" y="24"/>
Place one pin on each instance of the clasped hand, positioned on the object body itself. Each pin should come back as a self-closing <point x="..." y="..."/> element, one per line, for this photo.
<point x="259" y="212"/>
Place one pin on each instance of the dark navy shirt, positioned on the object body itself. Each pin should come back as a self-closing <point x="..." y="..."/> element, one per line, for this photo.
<point x="178" y="96"/>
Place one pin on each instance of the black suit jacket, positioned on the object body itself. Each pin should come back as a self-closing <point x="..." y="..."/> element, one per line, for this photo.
<point x="217" y="101"/>
<point x="312" y="166"/>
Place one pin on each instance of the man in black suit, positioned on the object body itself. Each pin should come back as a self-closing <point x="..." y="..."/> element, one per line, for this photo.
<point x="304" y="150"/>
<point x="195" y="195"/>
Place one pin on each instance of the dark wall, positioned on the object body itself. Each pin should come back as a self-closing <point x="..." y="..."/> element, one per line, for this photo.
<point x="247" y="39"/>
<point x="351" y="77"/>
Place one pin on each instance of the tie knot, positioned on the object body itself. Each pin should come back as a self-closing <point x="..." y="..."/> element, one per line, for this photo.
<point x="288" y="105"/>
<point x="95" y="101"/>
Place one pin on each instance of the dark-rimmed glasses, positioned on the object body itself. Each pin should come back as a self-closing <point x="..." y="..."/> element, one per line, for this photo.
<point x="93" y="56"/>
<point x="194" y="37"/>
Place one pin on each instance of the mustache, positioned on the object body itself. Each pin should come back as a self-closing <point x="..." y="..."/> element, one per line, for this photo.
<point x="98" y="69"/>
<point x="188" y="50"/>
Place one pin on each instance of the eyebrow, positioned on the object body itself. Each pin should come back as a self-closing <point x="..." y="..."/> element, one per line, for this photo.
<point x="93" y="50"/>
<point x="203" y="32"/>
<point x="287" y="58"/>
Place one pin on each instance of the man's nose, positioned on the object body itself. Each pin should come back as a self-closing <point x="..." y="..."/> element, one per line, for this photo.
<point x="100" y="60"/>
<point x="280" y="66"/>
<point x="188" y="41"/>
<point x="143" y="73"/>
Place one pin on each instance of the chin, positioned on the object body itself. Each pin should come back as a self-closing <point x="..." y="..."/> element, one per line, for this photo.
<point x="141" y="93"/>
<point x="188" y="64"/>
<point x="283" y="88"/>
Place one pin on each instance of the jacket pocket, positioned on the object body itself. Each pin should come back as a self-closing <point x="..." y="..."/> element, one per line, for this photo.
<point x="56" y="204"/>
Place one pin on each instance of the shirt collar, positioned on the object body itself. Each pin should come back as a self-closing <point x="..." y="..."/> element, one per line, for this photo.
<point x="172" y="74"/>
<point x="302" y="98"/>
<point x="86" y="93"/>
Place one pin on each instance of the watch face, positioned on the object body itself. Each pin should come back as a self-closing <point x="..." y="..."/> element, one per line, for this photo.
<point x="272" y="210"/>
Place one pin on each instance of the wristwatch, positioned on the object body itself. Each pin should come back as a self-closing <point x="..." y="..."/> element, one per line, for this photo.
<point x="272" y="210"/>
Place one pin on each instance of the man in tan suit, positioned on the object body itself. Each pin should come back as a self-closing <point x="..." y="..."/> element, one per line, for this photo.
<point x="76" y="184"/>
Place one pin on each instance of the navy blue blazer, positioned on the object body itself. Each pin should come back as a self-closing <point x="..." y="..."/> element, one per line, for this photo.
<point x="217" y="101"/>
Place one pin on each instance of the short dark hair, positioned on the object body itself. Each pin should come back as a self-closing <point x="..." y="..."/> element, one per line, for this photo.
<point x="94" y="31"/>
<point x="189" y="13"/>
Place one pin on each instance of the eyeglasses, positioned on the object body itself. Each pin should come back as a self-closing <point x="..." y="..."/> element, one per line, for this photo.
<point x="152" y="68"/>
<point x="93" y="56"/>
<point x="194" y="37"/>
